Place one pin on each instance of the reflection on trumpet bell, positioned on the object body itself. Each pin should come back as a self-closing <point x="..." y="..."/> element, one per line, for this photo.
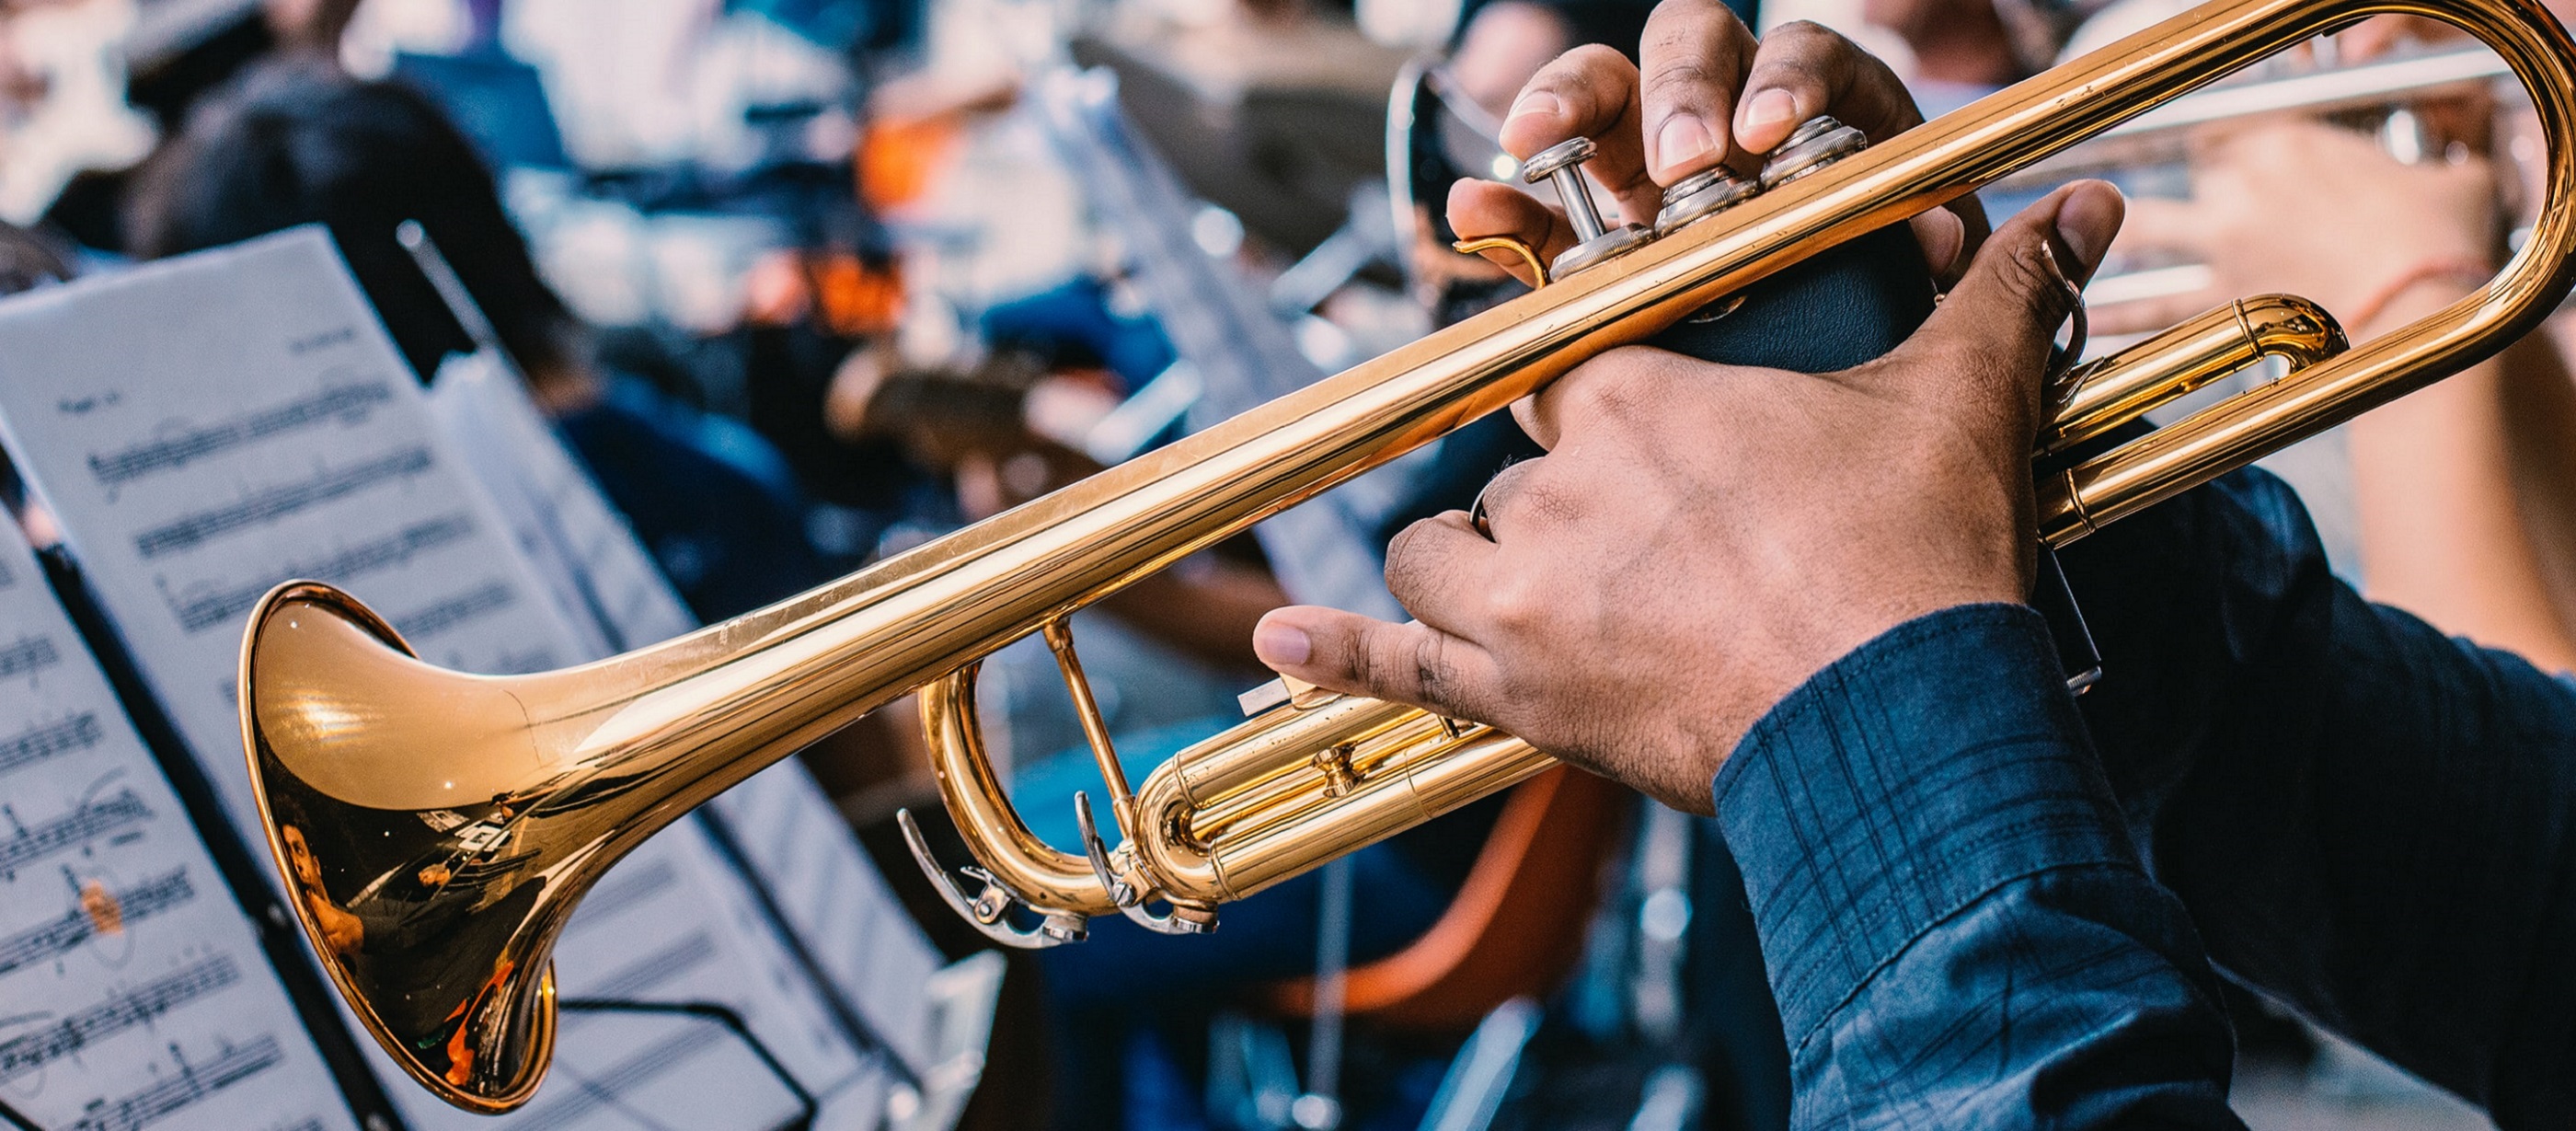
<point x="431" y="866"/>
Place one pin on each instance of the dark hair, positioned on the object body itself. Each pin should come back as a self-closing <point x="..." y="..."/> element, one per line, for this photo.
<point x="28" y="260"/>
<point x="1613" y="23"/>
<point x="296" y="142"/>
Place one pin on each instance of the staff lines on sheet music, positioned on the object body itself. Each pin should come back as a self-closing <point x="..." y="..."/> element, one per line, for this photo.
<point x="24" y="1054"/>
<point x="655" y="969"/>
<point x="28" y="654"/>
<point x="270" y="504"/>
<point x="91" y="820"/>
<point x="653" y="1062"/>
<point x="621" y="888"/>
<point x="204" y="606"/>
<point x="47" y="739"/>
<point x="463" y="608"/>
<point x="170" y="1094"/>
<point x="345" y="400"/>
<point x="66" y="934"/>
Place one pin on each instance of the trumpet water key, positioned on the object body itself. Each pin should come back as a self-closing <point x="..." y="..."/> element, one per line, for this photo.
<point x="435" y="829"/>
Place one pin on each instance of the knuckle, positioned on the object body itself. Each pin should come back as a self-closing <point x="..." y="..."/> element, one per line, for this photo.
<point x="1579" y="71"/>
<point x="1804" y="42"/>
<point x="1551" y="500"/>
<point x="1432" y="676"/>
<point x="1405" y="549"/>
<point x="1607" y="389"/>
<point x="1800" y="32"/>
<point x="1684" y="76"/>
<point x="1518" y="603"/>
<point x="2029" y="271"/>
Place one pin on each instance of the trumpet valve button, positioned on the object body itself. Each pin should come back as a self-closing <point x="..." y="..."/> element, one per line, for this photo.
<point x="1700" y="196"/>
<point x="1600" y="249"/>
<point x="1568" y="154"/>
<point x="1812" y="146"/>
<point x="1561" y="165"/>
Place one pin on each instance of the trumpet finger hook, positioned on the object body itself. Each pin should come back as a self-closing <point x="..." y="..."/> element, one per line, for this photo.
<point x="1131" y="903"/>
<point x="989" y="911"/>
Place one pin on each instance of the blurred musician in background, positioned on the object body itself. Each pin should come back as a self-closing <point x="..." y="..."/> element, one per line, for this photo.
<point x="2466" y="491"/>
<point x="298" y="142"/>
<point x="1796" y="604"/>
<point x="112" y="78"/>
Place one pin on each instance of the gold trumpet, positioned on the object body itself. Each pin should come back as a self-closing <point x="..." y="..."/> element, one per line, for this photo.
<point x="436" y="829"/>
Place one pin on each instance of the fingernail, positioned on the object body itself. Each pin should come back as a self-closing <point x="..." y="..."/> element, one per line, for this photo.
<point x="1681" y="143"/>
<point x="2086" y="221"/>
<point x="1770" y="107"/>
<point x="1534" y="104"/>
<point x="1279" y="644"/>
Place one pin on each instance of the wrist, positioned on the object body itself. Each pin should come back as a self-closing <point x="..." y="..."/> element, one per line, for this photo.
<point x="2448" y="275"/>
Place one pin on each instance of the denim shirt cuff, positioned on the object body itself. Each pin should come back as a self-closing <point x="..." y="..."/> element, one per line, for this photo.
<point x="1896" y="787"/>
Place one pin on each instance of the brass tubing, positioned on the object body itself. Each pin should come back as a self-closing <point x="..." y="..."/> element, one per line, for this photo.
<point x="370" y="764"/>
<point x="978" y="801"/>
<point x="2098" y="396"/>
<point x="1235" y="848"/>
<point x="2226" y="436"/>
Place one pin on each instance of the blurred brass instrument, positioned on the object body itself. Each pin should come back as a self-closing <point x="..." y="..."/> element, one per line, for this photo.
<point x="2381" y="88"/>
<point x="436" y="829"/>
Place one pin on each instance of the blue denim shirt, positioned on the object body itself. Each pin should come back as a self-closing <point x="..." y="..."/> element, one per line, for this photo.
<point x="1981" y="906"/>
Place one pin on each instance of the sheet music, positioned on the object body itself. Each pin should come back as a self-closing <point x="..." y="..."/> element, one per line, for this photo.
<point x="132" y="992"/>
<point x="599" y="574"/>
<point x="868" y="947"/>
<point x="1324" y="552"/>
<point x="203" y="428"/>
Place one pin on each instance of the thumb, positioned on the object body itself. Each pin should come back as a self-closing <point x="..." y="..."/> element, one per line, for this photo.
<point x="1996" y="327"/>
<point x="1356" y="655"/>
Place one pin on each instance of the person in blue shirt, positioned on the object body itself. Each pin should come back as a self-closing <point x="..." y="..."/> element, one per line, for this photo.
<point x="296" y="142"/>
<point x="1796" y="604"/>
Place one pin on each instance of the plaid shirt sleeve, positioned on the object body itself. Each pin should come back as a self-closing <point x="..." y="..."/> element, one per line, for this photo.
<point x="2369" y="821"/>
<point x="1957" y="927"/>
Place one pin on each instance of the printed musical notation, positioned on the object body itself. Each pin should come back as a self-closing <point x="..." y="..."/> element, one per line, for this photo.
<point x="99" y="912"/>
<point x="285" y="440"/>
<point x="208" y="608"/>
<point x="140" y="1006"/>
<point x="118" y="944"/>
<point x="88" y="821"/>
<point x="854" y="935"/>
<point x="270" y="505"/>
<point x="343" y="402"/>
<point x="594" y="568"/>
<point x="26" y="654"/>
<point x="188" y="486"/>
<point x="190" y="1084"/>
<point x="43" y="739"/>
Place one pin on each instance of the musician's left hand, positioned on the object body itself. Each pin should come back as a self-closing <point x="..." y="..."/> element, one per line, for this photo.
<point x="1702" y="538"/>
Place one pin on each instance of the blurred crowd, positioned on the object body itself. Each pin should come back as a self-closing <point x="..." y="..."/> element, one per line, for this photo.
<point x="805" y="283"/>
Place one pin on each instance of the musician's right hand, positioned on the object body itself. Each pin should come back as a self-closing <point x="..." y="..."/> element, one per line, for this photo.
<point x="1702" y="538"/>
<point x="1705" y="91"/>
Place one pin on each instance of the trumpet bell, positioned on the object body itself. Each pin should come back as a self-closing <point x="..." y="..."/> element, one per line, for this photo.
<point x="417" y="834"/>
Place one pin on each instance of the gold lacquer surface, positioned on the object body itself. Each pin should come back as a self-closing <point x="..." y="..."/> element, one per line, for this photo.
<point x="436" y="829"/>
